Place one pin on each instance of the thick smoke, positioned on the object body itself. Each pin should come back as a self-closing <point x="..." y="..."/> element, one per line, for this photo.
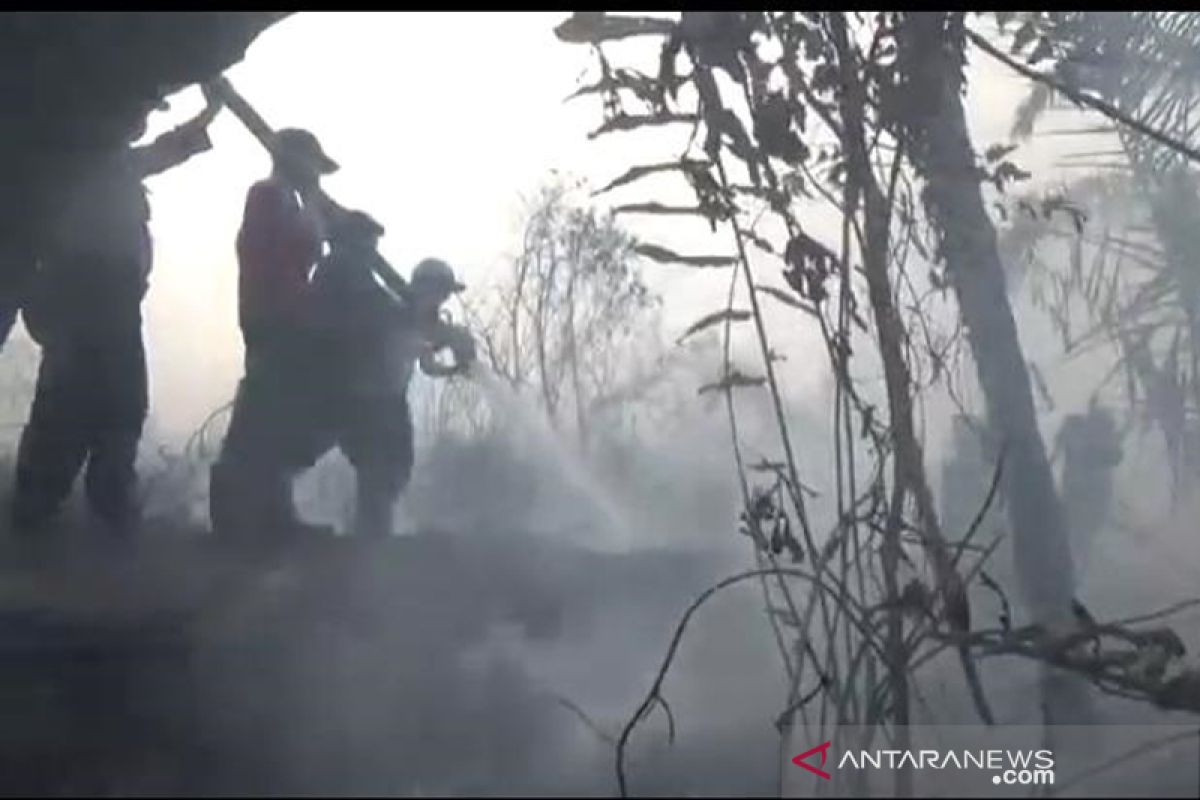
<point x="501" y="642"/>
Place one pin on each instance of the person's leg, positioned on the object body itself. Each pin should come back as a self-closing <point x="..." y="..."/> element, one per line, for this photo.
<point x="301" y="429"/>
<point x="9" y="310"/>
<point x="224" y="498"/>
<point x="242" y="490"/>
<point x="379" y="443"/>
<point x="121" y="400"/>
<point x="403" y="446"/>
<point x="17" y="268"/>
<point x="270" y="439"/>
<point x="374" y="503"/>
<point x="53" y="444"/>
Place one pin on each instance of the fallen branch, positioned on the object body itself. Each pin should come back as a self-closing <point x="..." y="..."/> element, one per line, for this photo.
<point x="1143" y="665"/>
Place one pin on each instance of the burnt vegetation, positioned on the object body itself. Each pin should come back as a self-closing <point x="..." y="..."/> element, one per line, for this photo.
<point x="826" y="165"/>
<point x="866" y="114"/>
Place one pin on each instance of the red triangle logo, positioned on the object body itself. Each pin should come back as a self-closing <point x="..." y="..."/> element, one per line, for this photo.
<point x="800" y="761"/>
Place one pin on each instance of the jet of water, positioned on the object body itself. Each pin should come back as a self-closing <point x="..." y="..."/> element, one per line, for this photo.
<point x="533" y="433"/>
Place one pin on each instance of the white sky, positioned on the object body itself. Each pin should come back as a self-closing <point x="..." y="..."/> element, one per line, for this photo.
<point x="440" y="121"/>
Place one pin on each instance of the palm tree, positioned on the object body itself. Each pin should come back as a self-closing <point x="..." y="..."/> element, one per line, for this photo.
<point x="932" y="54"/>
<point x="1145" y="65"/>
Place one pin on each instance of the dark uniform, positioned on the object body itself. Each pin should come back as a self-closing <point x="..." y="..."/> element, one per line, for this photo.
<point x="1091" y="449"/>
<point x="83" y="307"/>
<point x="377" y="340"/>
<point x="374" y="343"/>
<point x="277" y="246"/>
<point x="281" y="238"/>
<point x="966" y="478"/>
<point x="17" y="264"/>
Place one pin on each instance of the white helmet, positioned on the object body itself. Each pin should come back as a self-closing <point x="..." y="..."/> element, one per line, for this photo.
<point x="435" y="275"/>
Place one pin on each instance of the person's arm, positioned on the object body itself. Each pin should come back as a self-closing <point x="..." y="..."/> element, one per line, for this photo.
<point x="390" y="277"/>
<point x="329" y="209"/>
<point x="262" y="224"/>
<point x="325" y="209"/>
<point x="431" y="367"/>
<point x="178" y="145"/>
<point x="434" y="368"/>
<point x="455" y="338"/>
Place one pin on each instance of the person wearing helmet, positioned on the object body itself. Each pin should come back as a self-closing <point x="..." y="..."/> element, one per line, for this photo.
<point x="282" y="236"/>
<point x="432" y="284"/>
<point x="82" y="304"/>
<point x="379" y="336"/>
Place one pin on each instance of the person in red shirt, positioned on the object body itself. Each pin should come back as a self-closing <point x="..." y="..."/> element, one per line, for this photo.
<point x="281" y="239"/>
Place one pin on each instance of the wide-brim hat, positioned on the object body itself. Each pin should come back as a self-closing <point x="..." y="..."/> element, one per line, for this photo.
<point x="303" y="144"/>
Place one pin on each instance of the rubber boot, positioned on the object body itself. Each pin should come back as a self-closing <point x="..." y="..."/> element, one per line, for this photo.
<point x="111" y="483"/>
<point x="222" y="501"/>
<point x="45" y="470"/>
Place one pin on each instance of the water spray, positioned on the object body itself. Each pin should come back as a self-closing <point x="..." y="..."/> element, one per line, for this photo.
<point x="533" y="429"/>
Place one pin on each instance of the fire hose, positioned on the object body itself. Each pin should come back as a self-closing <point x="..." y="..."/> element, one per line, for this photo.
<point x="453" y="337"/>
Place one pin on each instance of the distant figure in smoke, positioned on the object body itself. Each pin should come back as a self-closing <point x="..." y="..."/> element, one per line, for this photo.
<point x="967" y="476"/>
<point x="281" y="238"/>
<point x="376" y="336"/>
<point x="1090" y="447"/>
<point x="1191" y="448"/>
<point x="83" y="307"/>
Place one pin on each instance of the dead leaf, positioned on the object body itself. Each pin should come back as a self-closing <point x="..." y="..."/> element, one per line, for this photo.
<point x="659" y="208"/>
<point x="636" y="173"/>
<point x="788" y="299"/>
<point x="593" y="27"/>
<point x="733" y="380"/>
<point x="665" y="256"/>
<point x="715" y="318"/>
<point x="629" y="122"/>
